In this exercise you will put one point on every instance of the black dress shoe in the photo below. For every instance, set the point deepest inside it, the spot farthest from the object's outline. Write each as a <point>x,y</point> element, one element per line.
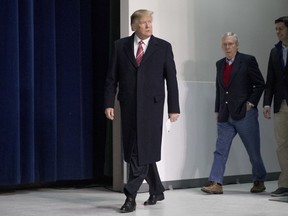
<point>154,198</point>
<point>129,205</point>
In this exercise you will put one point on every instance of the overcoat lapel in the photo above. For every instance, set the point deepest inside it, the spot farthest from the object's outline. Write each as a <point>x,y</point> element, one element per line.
<point>129,50</point>
<point>152,47</point>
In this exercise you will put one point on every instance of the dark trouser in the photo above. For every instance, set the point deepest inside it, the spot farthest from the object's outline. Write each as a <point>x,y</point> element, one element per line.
<point>139,173</point>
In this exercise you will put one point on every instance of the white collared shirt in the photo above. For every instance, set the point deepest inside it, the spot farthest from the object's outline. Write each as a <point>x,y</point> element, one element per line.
<point>230,61</point>
<point>136,44</point>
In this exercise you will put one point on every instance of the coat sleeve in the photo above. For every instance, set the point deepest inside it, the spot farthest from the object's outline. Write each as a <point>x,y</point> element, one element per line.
<point>171,81</point>
<point>111,81</point>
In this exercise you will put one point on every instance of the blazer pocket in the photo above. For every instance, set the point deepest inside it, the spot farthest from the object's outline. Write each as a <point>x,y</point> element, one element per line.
<point>159,98</point>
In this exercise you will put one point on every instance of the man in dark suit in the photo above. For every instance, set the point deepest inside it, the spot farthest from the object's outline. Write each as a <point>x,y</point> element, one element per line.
<point>140,66</point>
<point>277,87</point>
<point>239,86</point>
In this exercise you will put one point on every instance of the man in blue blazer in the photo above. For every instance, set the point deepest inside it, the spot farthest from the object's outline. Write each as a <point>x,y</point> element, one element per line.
<point>142,65</point>
<point>239,86</point>
<point>277,88</point>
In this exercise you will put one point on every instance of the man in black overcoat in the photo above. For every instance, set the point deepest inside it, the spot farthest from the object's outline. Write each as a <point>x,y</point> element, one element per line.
<point>141,66</point>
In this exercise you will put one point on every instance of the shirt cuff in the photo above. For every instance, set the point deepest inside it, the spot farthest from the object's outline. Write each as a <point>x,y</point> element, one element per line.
<point>250,104</point>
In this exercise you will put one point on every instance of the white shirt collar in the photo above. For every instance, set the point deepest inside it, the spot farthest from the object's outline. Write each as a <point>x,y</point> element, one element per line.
<point>230,61</point>
<point>137,40</point>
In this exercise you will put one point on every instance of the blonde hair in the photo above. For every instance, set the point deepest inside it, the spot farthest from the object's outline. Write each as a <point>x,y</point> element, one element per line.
<point>138,14</point>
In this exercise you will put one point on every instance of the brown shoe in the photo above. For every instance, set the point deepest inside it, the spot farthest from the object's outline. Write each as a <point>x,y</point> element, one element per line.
<point>258,187</point>
<point>213,188</point>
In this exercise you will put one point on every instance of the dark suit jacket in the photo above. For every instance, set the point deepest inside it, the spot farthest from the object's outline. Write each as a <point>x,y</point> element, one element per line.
<point>277,79</point>
<point>246,85</point>
<point>142,94</point>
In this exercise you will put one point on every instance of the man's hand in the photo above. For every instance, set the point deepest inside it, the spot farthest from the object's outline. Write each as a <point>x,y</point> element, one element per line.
<point>109,112</point>
<point>249,106</point>
<point>173,116</point>
<point>267,112</point>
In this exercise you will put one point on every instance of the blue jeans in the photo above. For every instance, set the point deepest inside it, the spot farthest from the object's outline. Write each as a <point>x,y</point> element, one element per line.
<point>248,130</point>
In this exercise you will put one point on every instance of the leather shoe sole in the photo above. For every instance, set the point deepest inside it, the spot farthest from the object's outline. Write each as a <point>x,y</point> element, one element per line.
<point>153,199</point>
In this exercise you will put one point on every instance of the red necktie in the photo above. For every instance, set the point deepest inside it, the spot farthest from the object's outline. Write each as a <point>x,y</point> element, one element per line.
<point>140,53</point>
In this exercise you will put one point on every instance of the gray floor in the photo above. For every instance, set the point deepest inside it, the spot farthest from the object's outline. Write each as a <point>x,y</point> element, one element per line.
<point>236,200</point>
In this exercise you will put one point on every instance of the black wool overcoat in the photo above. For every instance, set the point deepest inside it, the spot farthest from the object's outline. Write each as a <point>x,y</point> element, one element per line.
<point>141,94</point>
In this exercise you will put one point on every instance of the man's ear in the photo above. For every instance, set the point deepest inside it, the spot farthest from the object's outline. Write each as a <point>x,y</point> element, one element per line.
<point>133,27</point>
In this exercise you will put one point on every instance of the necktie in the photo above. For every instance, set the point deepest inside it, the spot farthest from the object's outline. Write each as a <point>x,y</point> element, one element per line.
<point>140,53</point>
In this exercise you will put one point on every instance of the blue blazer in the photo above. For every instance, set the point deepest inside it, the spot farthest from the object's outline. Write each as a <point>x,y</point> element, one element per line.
<point>246,85</point>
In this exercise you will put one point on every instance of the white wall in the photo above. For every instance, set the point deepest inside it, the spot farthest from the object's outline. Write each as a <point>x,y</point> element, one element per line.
<point>194,28</point>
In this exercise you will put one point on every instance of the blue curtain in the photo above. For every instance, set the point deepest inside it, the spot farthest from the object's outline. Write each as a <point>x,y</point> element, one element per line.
<point>48,91</point>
